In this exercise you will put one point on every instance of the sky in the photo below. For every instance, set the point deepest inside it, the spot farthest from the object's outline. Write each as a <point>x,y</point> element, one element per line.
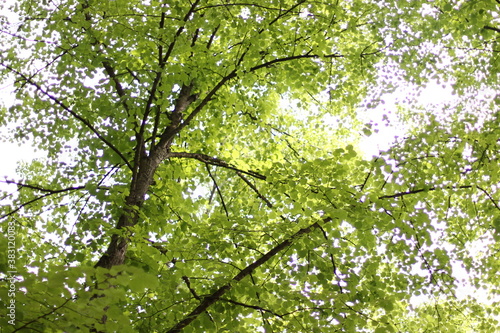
<point>13,153</point>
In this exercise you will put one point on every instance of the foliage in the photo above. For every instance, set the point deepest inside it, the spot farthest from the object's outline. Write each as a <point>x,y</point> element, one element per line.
<point>193,183</point>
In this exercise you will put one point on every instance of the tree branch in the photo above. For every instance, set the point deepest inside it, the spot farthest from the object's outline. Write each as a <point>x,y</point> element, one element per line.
<point>169,134</point>
<point>212,36</point>
<point>286,11</point>
<point>152,93</point>
<point>41,189</point>
<point>368,176</point>
<point>216,296</point>
<point>49,193</point>
<point>118,86</point>
<point>489,197</point>
<point>21,328</point>
<point>36,40</point>
<point>218,190</point>
<point>214,161</point>
<point>251,307</point>
<point>239,4</point>
<point>200,106</point>
<point>188,284</point>
<point>72,113</point>
<point>302,56</point>
<point>332,260</point>
<point>400,194</point>
<point>24,205</point>
<point>252,186</point>
<point>487,27</point>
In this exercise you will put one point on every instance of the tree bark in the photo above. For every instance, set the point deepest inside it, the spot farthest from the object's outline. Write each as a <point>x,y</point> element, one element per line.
<point>115,254</point>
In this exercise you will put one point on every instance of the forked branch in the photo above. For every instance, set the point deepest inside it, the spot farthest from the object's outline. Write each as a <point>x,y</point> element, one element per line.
<point>71,112</point>
<point>217,295</point>
<point>215,161</point>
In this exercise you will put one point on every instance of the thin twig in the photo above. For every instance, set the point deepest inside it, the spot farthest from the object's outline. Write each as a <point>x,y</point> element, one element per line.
<point>218,190</point>
<point>252,186</point>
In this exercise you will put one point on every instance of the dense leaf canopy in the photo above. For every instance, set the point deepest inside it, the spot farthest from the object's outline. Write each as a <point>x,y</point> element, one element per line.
<point>203,171</point>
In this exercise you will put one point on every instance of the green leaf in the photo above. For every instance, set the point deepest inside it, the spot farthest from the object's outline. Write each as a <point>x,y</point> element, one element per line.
<point>205,161</point>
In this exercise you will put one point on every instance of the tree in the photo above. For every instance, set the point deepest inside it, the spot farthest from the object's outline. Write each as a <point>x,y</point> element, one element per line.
<point>193,182</point>
<point>437,317</point>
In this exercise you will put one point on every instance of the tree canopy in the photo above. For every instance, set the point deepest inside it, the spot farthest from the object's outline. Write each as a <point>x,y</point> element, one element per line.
<point>203,172</point>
